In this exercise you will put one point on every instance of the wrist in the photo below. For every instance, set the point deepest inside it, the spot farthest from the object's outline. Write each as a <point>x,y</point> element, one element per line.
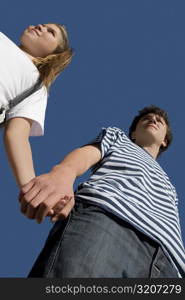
<point>65,170</point>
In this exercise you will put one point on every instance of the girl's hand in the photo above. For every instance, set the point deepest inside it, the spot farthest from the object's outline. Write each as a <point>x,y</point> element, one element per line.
<point>48,195</point>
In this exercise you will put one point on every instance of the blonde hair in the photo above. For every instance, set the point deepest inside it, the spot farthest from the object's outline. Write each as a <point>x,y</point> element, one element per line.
<point>52,65</point>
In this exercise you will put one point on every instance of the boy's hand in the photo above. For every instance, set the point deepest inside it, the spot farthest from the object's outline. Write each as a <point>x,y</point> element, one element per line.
<point>49,194</point>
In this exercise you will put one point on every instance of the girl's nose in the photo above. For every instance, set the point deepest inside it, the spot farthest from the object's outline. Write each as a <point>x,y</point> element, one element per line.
<point>39,27</point>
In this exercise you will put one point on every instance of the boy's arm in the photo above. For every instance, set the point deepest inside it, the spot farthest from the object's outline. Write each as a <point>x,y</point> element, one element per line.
<point>79,161</point>
<point>16,141</point>
<point>42,193</point>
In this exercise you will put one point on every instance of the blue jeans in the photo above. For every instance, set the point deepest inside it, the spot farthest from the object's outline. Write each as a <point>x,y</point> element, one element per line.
<point>93,243</point>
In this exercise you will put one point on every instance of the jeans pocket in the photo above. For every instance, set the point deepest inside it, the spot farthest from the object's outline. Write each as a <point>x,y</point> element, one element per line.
<point>56,236</point>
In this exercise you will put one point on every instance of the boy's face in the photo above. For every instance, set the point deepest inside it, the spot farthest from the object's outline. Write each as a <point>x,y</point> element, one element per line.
<point>151,128</point>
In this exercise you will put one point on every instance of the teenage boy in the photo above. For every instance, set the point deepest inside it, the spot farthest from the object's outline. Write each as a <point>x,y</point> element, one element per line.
<point>125,221</point>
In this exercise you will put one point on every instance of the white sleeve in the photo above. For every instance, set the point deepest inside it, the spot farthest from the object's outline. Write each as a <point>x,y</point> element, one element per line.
<point>32,107</point>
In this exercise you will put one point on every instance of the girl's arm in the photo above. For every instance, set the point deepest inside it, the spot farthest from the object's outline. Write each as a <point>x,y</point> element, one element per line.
<point>16,140</point>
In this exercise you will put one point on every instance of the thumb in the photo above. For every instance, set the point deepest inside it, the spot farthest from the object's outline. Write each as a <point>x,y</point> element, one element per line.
<point>64,213</point>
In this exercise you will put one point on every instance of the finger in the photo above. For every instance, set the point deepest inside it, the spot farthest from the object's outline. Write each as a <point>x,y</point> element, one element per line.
<point>33,205</point>
<point>27,198</point>
<point>60,205</point>
<point>50,213</point>
<point>64,213</point>
<point>32,193</point>
<point>23,207</point>
<point>25,188</point>
<point>45,206</point>
<point>20,196</point>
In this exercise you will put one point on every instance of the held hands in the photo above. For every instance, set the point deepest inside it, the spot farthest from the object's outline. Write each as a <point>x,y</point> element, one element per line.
<point>49,194</point>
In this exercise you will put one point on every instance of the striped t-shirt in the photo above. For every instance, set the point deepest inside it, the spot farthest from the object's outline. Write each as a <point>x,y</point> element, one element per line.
<point>130,183</point>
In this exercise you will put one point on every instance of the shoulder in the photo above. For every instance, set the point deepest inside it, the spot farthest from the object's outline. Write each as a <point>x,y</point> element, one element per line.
<point>112,134</point>
<point>42,91</point>
<point>115,131</point>
<point>7,42</point>
<point>3,37</point>
<point>13,52</point>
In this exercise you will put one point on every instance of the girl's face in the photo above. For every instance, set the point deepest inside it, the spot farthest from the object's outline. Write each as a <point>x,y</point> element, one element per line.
<point>41,40</point>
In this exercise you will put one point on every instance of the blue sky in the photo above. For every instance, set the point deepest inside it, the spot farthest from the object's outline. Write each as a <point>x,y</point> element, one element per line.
<point>128,54</point>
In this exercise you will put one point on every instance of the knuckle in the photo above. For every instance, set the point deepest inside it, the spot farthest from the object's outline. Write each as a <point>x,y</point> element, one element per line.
<point>45,206</point>
<point>72,200</point>
<point>47,186</point>
<point>27,198</point>
<point>33,205</point>
<point>38,182</point>
<point>23,189</point>
<point>42,180</point>
<point>64,214</point>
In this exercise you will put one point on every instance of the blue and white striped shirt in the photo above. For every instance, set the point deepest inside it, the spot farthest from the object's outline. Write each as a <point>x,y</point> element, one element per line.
<point>130,183</point>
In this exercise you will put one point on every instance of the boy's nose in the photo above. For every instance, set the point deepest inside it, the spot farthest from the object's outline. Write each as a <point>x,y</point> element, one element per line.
<point>153,119</point>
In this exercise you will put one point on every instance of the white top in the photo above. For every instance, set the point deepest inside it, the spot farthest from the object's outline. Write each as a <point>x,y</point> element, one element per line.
<point>17,74</point>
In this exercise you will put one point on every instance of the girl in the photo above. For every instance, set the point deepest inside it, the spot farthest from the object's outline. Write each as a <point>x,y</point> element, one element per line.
<point>43,53</point>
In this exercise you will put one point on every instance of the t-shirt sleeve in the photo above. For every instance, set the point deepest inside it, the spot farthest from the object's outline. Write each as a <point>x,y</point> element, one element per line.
<point>106,139</point>
<point>34,108</point>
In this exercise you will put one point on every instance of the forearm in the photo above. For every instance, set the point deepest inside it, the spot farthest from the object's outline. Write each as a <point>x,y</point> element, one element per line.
<point>20,158</point>
<point>78,161</point>
<point>16,141</point>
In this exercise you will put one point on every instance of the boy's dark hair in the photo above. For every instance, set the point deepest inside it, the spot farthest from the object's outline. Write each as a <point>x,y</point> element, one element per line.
<point>157,111</point>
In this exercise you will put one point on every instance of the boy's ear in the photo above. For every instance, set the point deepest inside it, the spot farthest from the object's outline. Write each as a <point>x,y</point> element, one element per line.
<point>133,135</point>
<point>164,143</point>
